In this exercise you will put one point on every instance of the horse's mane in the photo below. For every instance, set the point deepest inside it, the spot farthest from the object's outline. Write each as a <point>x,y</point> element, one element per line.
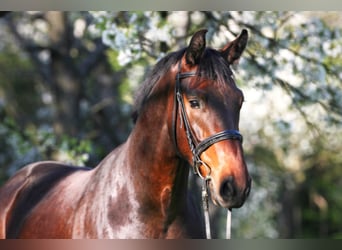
<point>211,66</point>
<point>152,78</point>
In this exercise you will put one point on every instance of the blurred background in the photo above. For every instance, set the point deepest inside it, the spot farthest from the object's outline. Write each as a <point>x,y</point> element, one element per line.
<point>67,82</point>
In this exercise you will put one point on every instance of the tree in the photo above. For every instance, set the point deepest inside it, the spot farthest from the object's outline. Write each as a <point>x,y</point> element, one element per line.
<point>81,70</point>
<point>59,92</point>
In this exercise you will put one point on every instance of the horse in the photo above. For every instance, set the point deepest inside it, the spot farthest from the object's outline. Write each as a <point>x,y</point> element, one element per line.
<point>186,117</point>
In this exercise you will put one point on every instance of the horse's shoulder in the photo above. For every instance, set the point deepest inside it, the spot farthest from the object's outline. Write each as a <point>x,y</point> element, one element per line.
<point>26,188</point>
<point>40,177</point>
<point>44,168</point>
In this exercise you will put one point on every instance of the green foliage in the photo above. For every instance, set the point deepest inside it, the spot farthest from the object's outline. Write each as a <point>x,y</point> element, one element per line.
<point>112,56</point>
<point>319,195</point>
<point>17,87</point>
<point>291,119</point>
<point>32,144</point>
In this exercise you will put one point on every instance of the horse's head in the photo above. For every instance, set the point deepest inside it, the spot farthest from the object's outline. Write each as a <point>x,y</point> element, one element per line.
<point>205,120</point>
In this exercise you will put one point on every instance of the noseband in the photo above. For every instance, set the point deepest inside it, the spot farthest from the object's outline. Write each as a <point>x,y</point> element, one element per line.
<point>196,148</point>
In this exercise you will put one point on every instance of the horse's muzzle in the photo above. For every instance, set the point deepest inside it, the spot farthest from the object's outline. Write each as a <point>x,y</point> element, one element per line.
<point>229,194</point>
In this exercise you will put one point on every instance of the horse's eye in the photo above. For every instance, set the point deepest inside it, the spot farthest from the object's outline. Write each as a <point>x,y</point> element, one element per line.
<point>194,104</point>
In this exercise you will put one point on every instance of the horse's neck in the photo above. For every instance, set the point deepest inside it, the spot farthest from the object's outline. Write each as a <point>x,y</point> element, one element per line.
<point>160,177</point>
<point>145,180</point>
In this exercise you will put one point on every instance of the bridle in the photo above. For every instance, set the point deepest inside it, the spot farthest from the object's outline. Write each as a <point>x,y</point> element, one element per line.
<point>197,148</point>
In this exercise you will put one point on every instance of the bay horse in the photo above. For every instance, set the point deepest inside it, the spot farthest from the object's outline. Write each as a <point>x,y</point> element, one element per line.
<point>186,114</point>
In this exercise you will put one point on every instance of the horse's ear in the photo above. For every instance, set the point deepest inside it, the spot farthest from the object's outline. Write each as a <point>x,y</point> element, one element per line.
<point>196,47</point>
<point>233,50</point>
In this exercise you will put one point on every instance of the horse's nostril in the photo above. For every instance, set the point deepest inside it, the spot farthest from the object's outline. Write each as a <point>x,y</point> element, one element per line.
<point>228,190</point>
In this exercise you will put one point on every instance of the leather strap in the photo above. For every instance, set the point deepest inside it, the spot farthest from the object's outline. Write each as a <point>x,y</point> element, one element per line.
<point>197,148</point>
<point>224,135</point>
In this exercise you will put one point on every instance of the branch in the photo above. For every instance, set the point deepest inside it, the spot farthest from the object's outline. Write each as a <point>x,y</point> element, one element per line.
<point>275,42</point>
<point>289,89</point>
<point>92,59</point>
<point>30,48</point>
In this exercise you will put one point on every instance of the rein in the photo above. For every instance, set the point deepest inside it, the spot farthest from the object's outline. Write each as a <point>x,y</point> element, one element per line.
<point>198,148</point>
